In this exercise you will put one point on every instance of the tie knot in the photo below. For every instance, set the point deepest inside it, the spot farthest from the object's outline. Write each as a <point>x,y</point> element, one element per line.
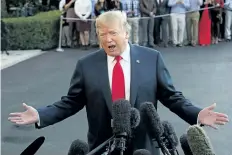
<point>118,58</point>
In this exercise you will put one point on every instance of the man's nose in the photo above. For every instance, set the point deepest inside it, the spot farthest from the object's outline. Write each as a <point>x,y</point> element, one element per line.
<point>108,38</point>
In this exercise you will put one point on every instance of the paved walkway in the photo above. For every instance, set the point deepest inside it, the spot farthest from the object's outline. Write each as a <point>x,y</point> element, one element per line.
<point>17,56</point>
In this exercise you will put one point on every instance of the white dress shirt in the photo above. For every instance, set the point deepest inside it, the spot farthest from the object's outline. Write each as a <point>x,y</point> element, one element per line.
<point>126,67</point>
<point>158,1</point>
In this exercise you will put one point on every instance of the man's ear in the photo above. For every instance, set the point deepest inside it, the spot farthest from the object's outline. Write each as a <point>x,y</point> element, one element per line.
<point>127,35</point>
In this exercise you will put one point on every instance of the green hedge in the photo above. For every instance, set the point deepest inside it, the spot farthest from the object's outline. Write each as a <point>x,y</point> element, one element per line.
<point>36,32</point>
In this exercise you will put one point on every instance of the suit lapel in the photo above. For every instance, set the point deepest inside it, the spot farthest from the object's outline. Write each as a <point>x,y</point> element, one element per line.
<point>103,77</point>
<point>135,69</point>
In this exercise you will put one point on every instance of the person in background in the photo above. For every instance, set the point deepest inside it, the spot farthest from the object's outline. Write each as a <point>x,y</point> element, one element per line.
<point>178,9</point>
<point>147,10</point>
<point>83,9</point>
<point>93,37</point>
<point>4,40</point>
<point>65,41</point>
<point>68,7</point>
<point>222,26</point>
<point>118,5</point>
<point>192,22</point>
<point>170,31</point>
<point>131,7</point>
<point>228,20</point>
<point>204,36</point>
<point>99,8</point>
<point>161,22</point>
<point>114,5</point>
<point>216,16</point>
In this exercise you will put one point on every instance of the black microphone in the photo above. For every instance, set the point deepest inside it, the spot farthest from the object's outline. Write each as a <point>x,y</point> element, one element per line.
<point>135,118</point>
<point>121,124</point>
<point>151,119</point>
<point>198,141</point>
<point>34,146</point>
<point>142,152</point>
<point>78,147</point>
<point>170,137</point>
<point>184,145</point>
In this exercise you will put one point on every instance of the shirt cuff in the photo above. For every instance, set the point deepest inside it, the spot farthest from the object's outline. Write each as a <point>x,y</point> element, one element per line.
<point>38,123</point>
<point>198,121</point>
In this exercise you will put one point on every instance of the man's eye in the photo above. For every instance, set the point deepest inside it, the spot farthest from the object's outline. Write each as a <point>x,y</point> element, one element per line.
<point>102,34</point>
<point>113,33</point>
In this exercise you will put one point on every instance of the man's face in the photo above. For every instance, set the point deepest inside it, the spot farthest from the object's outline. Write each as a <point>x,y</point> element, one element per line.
<point>113,38</point>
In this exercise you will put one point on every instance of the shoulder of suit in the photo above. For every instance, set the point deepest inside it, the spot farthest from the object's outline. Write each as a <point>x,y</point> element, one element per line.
<point>93,55</point>
<point>146,50</point>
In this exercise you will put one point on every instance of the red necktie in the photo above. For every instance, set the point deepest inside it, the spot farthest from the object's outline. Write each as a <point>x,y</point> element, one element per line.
<point>118,83</point>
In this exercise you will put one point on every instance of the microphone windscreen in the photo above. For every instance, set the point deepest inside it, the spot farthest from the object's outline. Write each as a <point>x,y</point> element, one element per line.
<point>78,147</point>
<point>184,145</point>
<point>151,119</point>
<point>142,152</point>
<point>135,118</point>
<point>121,117</point>
<point>170,133</point>
<point>198,141</point>
<point>34,146</point>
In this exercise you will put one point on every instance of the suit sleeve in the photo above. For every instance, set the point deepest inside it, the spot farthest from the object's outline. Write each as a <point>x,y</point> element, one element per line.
<point>70,104</point>
<point>142,8</point>
<point>172,99</point>
<point>154,8</point>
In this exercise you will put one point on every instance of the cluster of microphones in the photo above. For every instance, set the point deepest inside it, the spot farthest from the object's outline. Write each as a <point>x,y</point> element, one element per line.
<point>125,120</point>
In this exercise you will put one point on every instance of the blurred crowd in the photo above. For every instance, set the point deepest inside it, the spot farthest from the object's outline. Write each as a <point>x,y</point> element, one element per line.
<point>154,22</point>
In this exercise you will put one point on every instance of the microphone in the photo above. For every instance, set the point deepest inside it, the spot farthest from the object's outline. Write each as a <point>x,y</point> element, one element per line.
<point>34,146</point>
<point>170,137</point>
<point>135,118</point>
<point>198,141</point>
<point>184,145</point>
<point>151,119</point>
<point>142,152</point>
<point>121,124</point>
<point>78,147</point>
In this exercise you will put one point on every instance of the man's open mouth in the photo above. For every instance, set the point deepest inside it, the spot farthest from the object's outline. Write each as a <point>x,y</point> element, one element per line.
<point>111,47</point>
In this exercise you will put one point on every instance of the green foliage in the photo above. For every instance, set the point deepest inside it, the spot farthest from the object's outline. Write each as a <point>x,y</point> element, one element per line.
<point>36,32</point>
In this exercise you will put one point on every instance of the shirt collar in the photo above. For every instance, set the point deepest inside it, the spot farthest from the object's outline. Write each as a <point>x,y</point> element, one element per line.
<point>125,55</point>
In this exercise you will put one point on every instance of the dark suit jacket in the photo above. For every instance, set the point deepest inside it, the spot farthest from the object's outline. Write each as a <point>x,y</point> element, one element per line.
<point>150,81</point>
<point>147,6</point>
<point>162,8</point>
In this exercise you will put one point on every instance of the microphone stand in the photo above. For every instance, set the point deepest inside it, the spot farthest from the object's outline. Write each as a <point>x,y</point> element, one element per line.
<point>168,145</point>
<point>163,148</point>
<point>119,143</point>
<point>122,142</point>
<point>100,146</point>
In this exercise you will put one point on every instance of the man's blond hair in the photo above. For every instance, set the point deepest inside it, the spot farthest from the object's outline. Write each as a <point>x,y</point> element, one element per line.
<point>112,16</point>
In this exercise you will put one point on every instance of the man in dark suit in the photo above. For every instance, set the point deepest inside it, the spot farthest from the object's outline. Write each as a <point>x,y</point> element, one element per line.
<point>161,23</point>
<point>119,70</point>
<point>148,11</point>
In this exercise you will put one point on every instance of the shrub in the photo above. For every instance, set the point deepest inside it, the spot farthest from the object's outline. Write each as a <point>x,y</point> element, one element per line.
<point>36,32</point>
